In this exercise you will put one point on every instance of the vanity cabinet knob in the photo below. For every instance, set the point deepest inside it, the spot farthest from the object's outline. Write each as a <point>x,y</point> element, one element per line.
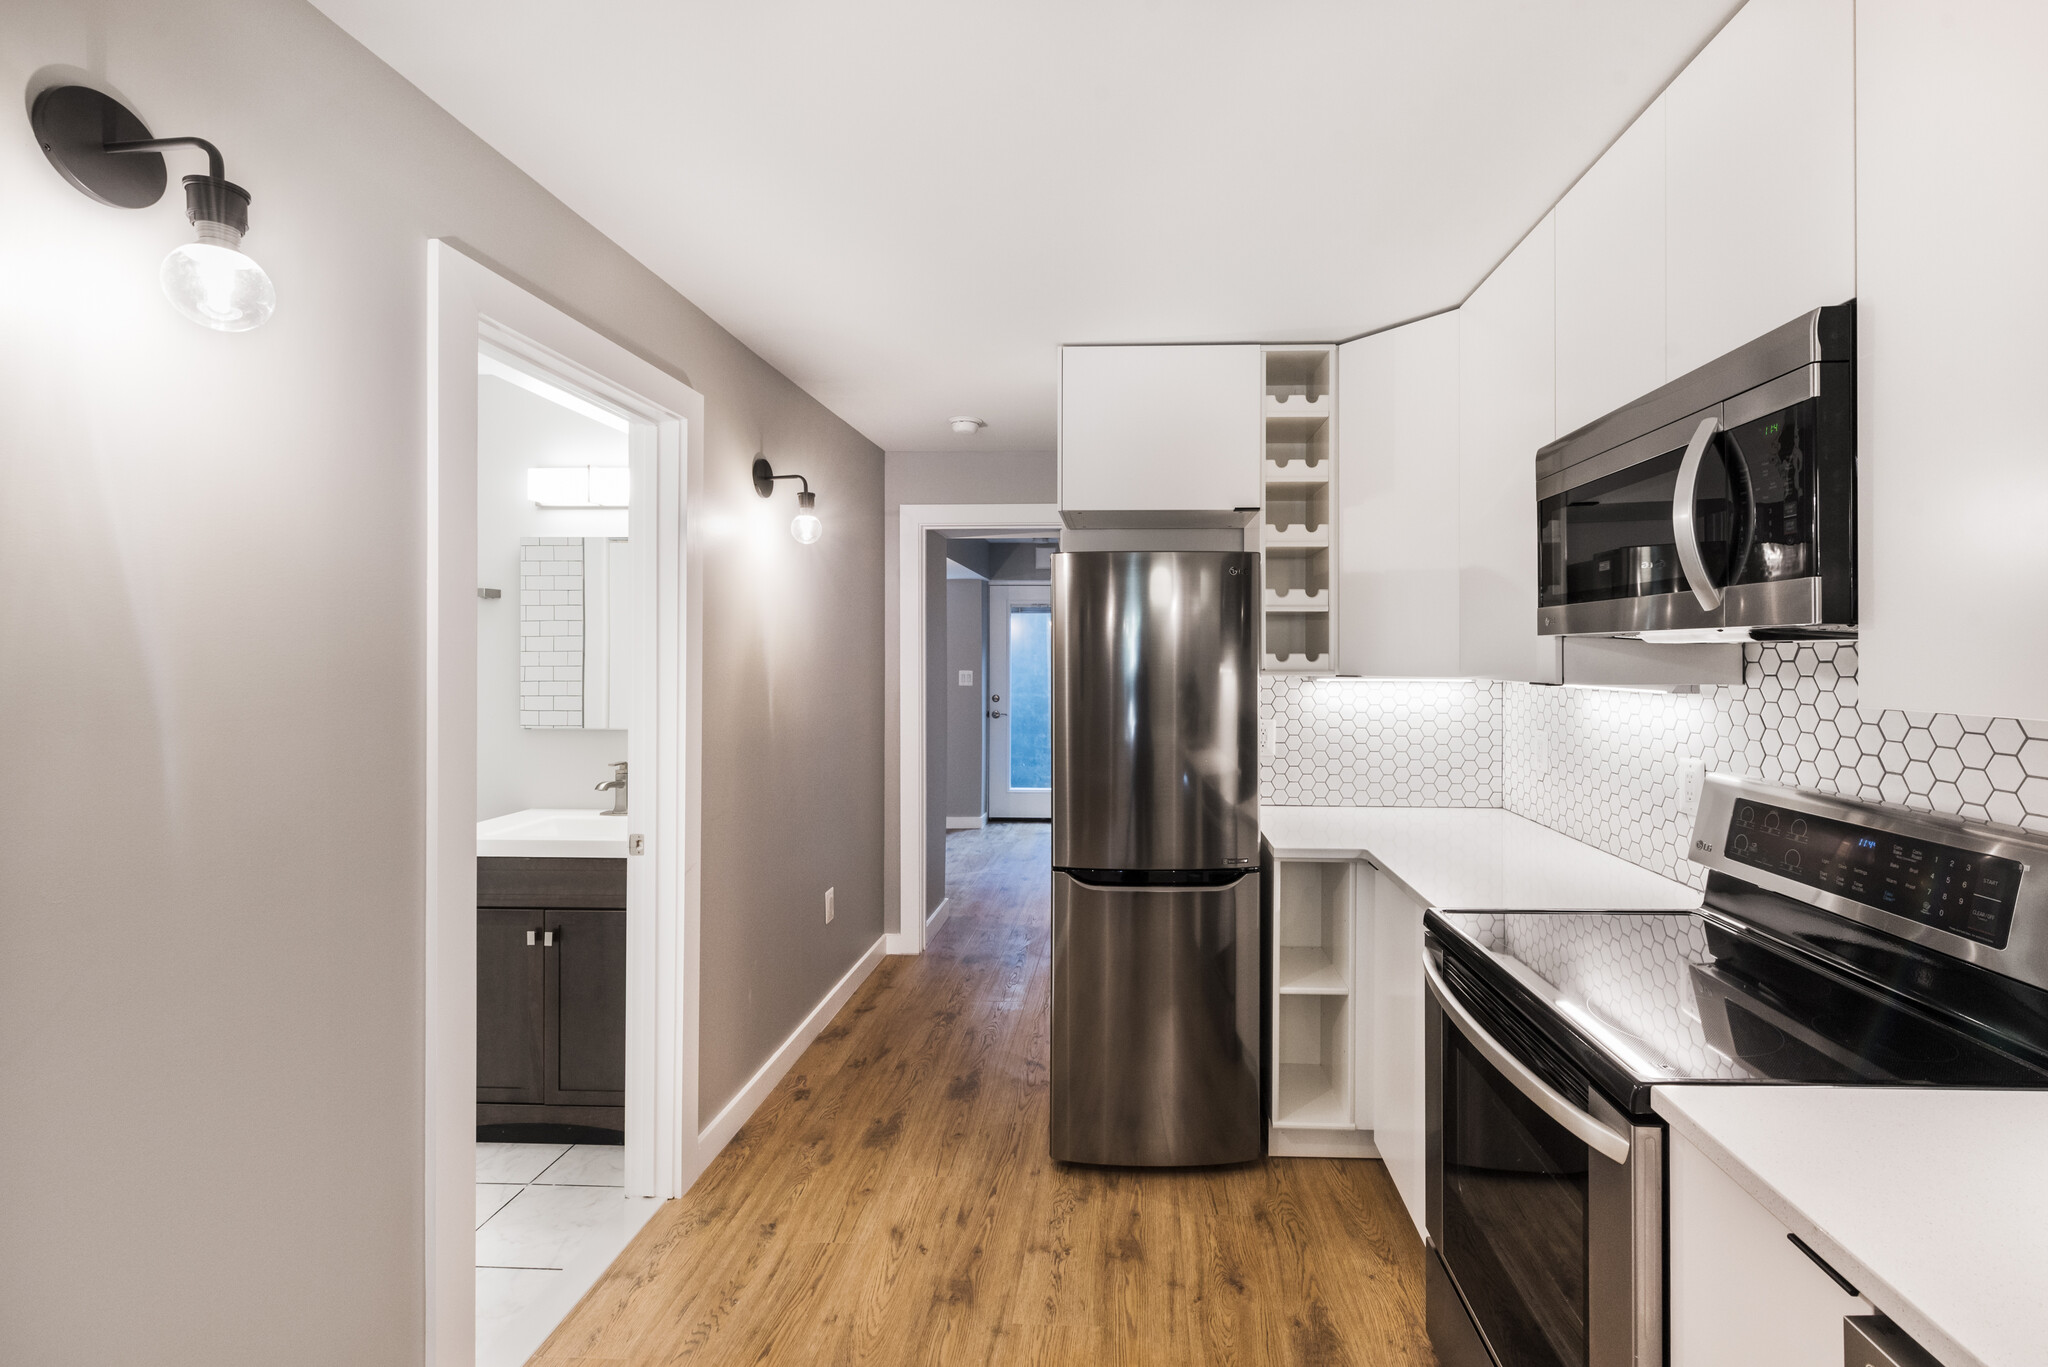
<point>529,939</point>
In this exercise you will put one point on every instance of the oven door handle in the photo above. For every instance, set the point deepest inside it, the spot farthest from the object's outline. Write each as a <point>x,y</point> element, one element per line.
<point>1683,530</point>
<point>1608,1141</point>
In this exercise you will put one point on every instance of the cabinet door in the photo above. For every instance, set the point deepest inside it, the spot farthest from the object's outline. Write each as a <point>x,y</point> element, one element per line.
<point>1760,185</point>
<point>1397,491</point>
<point>508,1005</point>
<point>1610,278</point>
<point>586,998</point>
<point>1153,429</point>
<point>1397,1040</point>
<point>1507,407</point>
<point>1741,1294</point>
<point>1952,283</point>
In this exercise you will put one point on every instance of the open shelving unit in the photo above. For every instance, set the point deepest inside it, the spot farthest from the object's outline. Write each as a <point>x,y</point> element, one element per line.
<point>1300,406</point>
<point>1314,969</point>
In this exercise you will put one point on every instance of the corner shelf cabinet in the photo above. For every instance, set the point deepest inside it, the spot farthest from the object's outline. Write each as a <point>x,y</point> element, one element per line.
<point>1296,477</point>
<point>1315,995</point>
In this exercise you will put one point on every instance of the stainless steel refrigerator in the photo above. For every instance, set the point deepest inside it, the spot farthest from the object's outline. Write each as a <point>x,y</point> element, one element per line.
<point>1157,1026</point>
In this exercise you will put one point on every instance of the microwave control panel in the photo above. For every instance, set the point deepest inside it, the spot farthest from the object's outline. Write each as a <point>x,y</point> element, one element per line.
<point>1964,892</point>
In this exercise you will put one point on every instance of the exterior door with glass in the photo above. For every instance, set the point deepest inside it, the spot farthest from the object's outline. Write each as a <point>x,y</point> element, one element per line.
<point>1020,701</point>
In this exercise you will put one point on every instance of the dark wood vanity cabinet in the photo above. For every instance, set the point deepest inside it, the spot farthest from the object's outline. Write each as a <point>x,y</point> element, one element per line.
<point>551,993</point>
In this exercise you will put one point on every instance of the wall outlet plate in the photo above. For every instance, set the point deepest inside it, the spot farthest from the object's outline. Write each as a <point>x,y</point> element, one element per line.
<point>828,906</point>
<point>1693,778</point>
<point>967,678</point>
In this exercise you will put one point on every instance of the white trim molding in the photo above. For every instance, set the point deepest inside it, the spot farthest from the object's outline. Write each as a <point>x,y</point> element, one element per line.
<point>741,1108</point>
<point>966,823</point>
<point>914,520</point>
<point>470,305</point>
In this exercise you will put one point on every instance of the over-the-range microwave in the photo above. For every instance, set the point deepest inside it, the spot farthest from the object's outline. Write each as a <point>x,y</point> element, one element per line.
<point>1721,507</point>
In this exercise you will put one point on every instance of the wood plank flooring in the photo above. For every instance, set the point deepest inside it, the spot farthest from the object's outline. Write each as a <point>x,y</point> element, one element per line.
<point>893,1201</point>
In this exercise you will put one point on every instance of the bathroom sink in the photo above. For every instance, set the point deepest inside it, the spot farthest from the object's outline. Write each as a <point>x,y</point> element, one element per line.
<point>552,833</point>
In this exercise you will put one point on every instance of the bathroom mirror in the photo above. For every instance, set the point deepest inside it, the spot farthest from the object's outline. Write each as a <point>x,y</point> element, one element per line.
<point>575,636</point>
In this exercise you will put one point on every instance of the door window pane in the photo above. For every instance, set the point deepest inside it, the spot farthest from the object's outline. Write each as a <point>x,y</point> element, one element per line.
<point>1030,695</point>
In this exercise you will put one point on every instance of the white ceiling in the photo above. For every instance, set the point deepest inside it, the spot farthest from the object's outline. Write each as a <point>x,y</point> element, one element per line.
<point>906,205</point>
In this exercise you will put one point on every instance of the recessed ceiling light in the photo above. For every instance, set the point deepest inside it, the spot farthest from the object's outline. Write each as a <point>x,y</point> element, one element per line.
<point>968,426</point>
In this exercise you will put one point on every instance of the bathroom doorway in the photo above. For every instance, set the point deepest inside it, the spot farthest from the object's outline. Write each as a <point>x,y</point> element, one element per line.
<point>562,809</point>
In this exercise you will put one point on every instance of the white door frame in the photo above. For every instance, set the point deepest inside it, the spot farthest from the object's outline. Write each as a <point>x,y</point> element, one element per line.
<point>915,519</point>
<point>469,304</point>
<point>1000,596</point>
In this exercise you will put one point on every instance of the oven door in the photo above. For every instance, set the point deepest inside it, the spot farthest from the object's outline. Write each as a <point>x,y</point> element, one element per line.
<point>1545,1203</point>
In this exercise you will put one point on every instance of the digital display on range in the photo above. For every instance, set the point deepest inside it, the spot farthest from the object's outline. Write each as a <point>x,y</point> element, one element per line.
<point>1957,890</point>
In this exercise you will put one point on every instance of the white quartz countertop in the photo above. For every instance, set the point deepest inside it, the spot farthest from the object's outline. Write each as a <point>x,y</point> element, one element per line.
<point>1474,858</point>
<point>1934,1203</point>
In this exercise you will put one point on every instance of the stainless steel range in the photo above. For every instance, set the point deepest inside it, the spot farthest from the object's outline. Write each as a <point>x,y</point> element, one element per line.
<point>1839,942</point>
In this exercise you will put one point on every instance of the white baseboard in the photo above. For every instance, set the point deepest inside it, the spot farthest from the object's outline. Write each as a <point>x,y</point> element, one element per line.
<point>1320,1144</point>
<point>741,1108</point>
<point>966,823</point>
<point>898,942</point>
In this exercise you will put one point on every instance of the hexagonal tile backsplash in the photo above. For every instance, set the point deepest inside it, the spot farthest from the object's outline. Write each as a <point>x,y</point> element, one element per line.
<point>1604,765</point>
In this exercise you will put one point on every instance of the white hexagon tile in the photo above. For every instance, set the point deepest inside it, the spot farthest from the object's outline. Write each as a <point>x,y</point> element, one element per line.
<point>1604,765</point>
<point>1380,743</point>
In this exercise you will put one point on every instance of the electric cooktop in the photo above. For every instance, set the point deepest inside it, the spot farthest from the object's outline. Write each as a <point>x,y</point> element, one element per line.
<point>1838,942</point>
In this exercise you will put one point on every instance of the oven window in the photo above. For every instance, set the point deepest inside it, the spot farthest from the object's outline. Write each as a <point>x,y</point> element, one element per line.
<point>1612,537</point>
<point>1514,1234</point>
<point>1774,456</point>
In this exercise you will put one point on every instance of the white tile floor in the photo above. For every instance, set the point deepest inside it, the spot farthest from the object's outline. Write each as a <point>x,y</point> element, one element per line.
<point>540,1209</point>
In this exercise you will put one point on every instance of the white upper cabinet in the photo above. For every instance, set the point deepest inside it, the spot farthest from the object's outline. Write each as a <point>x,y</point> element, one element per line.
<point>1610,278</point>
<point>1507,406</point>
<point>1760,178</point>
<point>1148,432</point>
<point>1952,457</point>
<point>1397,492</point>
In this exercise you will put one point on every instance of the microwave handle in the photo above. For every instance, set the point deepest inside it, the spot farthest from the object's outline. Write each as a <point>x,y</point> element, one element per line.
<point>1609,1142</point>
<point>1682,530</point>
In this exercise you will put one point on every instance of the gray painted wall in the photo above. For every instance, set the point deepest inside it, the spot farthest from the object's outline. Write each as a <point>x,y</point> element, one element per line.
<point>935,477</point>
<point>1015,564</point>
<point>966,738</point>
<point>211,697</point>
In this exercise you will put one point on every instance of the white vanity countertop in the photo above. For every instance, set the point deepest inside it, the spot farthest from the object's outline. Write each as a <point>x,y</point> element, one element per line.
<point>552,833</point>
<point>1474,858</point>
<point>1934,1203</point>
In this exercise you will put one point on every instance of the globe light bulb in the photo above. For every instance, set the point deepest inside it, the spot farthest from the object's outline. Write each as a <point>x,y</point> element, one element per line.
<point>805,526</point>
<point>213,283</point>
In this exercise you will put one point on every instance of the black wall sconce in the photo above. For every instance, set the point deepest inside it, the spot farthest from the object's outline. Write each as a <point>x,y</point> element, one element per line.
<point>805,526</point>
<point>99,145</point>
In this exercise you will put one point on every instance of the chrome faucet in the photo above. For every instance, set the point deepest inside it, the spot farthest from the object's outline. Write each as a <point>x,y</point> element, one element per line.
<point>618,789</point>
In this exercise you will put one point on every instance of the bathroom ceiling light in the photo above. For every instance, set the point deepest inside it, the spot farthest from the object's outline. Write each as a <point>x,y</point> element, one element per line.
<point>968,426</point>
<point>580,486</point>
<point>805,526</point>
<point>98,145</point>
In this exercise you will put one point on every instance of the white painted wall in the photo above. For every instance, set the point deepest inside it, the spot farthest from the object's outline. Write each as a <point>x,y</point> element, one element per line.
<point>519,767</point>
<point>211,682</point>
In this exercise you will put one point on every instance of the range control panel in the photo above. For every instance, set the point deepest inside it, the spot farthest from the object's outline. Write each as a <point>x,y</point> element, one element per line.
<point>1962,891</point>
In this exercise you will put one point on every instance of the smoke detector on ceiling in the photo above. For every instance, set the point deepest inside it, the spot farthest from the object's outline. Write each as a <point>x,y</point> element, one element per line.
<point>968,426</point>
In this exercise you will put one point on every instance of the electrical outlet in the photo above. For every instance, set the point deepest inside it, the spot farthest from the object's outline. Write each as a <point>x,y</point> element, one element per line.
<point>967,678</point>
<point>1693,773</point>
<point>828,906</point>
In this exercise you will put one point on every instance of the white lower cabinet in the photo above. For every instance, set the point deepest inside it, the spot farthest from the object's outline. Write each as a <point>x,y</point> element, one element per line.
<point>1347,1019</point>
<point>1742,1294</point>
<point>1397,1109</point>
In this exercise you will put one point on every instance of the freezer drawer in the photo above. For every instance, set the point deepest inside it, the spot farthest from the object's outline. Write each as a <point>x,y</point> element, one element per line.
<point>1155,703</point>
<point>1156,1024</point>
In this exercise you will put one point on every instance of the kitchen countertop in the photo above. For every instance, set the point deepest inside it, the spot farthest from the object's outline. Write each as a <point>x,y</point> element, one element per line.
<point>1934,1203</point>
<point>1474,858</point>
